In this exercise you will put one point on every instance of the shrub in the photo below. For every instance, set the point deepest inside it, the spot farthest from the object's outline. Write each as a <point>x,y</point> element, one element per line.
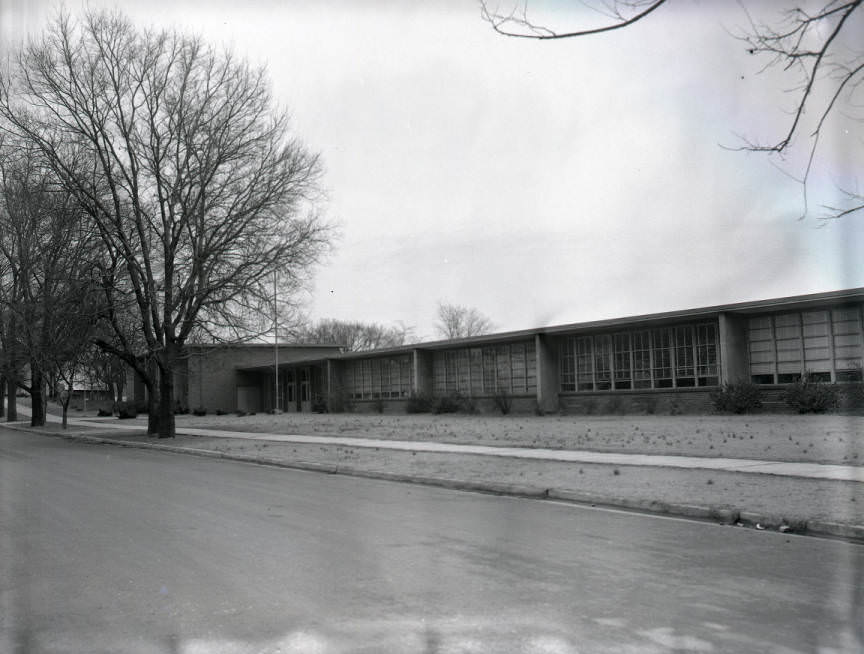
<point>469,405</point>
<point>199,411</point>
<point>447,404</point>
<point>239,413</point>
<point>220,412</point>
<point>853,395</point>
<point>741,397</point>
<point>126,410</point>
<point>179,409</point>
<point>503,400</point>
<point>649,405</point>
<point>808,396</point>
<point>103,413</point>
<point>418,403</point>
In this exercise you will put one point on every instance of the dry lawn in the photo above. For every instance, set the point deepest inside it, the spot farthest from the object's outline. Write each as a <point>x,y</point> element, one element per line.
<point>819,439</point>
<point>824,439</point>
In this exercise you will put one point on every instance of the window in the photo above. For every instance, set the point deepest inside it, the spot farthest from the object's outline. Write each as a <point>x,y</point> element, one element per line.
<point>662,354</point>
<point>482,371</point>
<point>490,376</point>
<point>567,359</point>
<point>381,378</point>
<point>684,357</point>
<point>584,366</point>
<point>824,344</point>
<point>602,362</point>
<point>642,359</point>
<point>679,356</point>
<point>623,362</point>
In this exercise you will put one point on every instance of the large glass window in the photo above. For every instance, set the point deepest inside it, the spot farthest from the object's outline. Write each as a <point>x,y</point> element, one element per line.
<point>567,360</point>
<point>482,371</point>
<point>584,364</point>
<point>382,378</point>
<point>623,361</point>
<point>826,345</point>
<point>662,354</point>
<point>678,356</point>
<point>642,359</point>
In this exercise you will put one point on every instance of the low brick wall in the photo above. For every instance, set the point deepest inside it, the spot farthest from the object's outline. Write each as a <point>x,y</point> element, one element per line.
<point>519,405</point>
<point>635,402</point>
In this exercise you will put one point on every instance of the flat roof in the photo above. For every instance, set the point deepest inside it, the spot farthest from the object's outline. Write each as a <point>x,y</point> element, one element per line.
<point>794,302</point>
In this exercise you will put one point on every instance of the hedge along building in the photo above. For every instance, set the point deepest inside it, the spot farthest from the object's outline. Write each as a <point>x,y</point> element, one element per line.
<point>665,362</point>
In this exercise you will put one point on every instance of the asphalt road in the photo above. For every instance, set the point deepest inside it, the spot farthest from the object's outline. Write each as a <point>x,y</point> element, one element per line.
<point>105,549</point>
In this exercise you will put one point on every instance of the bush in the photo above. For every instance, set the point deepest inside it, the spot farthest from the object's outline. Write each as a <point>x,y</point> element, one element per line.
<point>741,397</point>
<point>220,412</point>
<point>853,395</point>
<point>469,405</point>
<point>239,413</point>
<point>806,396</point>
<point>126,410</point>
<point>503,400</point>
<point>199,411</point>
<point>179,409</point>
<point>448,404</point>
<point>418,403</point>
<point>103,413</point>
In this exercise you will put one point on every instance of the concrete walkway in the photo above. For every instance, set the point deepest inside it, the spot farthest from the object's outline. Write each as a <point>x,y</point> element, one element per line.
<point>788,469</point>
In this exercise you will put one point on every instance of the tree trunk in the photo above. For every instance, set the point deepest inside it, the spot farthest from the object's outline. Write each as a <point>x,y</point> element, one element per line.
<point>65,405</point>
<point>152,385</point>
<point>2,396</point>
<point>11,389</point>
<point>153,421</point>
<point>37,399</point>
<point>166,400</point>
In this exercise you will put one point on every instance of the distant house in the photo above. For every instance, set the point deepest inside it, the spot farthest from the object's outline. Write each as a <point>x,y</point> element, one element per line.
<point>647,362</point>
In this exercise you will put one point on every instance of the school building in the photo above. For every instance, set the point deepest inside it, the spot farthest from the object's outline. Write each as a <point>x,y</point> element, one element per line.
<point>656,362</point>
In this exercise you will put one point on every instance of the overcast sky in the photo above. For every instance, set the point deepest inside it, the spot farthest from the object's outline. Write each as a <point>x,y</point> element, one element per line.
<point>540,182</point>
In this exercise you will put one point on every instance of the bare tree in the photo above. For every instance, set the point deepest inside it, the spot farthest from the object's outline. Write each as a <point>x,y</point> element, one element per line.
<point>47,290</point>
<point>456,321</point>
<point>355,336</point>
<point>819,47</point>
<point>187,171</point>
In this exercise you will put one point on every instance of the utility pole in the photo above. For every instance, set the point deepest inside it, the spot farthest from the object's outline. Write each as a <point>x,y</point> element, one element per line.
<point>275,347</point>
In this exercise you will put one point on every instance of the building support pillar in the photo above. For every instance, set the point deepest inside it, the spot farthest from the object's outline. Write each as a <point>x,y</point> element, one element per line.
<point>732,335</point>
<point>547,374</point>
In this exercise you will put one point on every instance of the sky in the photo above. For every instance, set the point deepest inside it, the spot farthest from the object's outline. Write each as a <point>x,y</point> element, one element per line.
<point>539,182</point>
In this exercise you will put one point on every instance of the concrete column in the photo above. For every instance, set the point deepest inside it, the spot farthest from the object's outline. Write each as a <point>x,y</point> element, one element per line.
<point>334,382</point>
<point>732,335</point>
<point>422,373</point>
<point>547,374</point>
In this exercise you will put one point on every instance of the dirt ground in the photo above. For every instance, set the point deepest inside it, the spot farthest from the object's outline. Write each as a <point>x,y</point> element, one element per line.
<point>812,438</point>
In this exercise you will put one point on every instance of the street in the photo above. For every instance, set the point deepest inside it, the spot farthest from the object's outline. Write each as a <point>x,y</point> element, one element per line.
<point>107,549</point>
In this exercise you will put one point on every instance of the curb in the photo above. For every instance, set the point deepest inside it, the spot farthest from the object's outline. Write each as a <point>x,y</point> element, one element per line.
<point>721,515</point>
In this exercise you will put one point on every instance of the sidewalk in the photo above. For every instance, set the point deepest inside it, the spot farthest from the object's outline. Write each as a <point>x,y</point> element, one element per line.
<point>751,466</point>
